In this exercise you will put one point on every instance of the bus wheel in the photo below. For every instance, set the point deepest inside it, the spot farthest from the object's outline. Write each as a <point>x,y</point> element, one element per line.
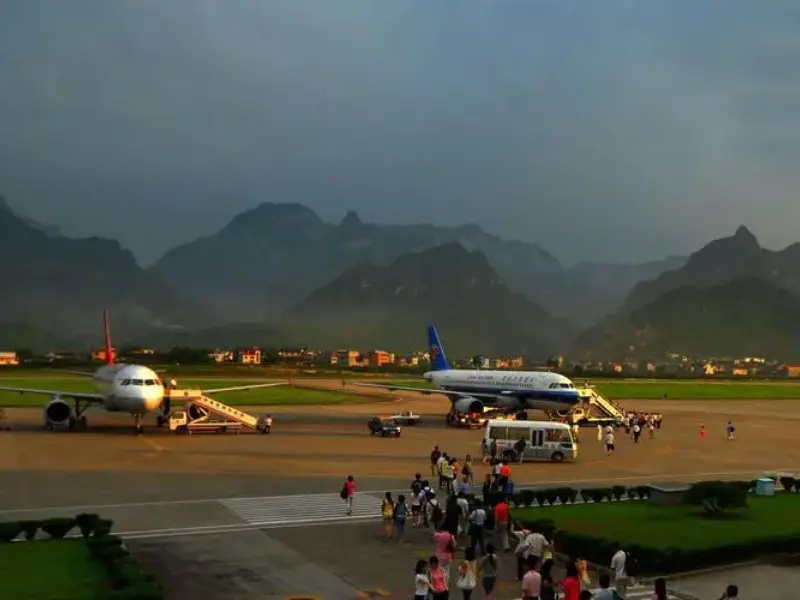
<point>557,457</point>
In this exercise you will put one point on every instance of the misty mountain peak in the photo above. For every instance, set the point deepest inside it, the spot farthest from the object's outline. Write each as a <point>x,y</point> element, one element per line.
<point>268,215</point>
<point>744,235</point>
<point>351,220</point>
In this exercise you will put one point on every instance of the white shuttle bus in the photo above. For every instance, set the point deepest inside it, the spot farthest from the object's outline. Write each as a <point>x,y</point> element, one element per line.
<point>545,440</point>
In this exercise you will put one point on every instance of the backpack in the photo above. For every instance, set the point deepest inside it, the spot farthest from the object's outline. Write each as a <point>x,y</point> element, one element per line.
<point>399,512</point>
<point>416,486</point>
<point>631,565</point>
<point>343,493</point>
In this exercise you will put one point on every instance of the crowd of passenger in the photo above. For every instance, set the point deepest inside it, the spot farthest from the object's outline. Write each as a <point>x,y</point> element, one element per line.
<point>491,542</point>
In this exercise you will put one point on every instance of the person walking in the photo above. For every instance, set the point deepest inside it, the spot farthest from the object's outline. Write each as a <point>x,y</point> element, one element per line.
<point>348,493</point>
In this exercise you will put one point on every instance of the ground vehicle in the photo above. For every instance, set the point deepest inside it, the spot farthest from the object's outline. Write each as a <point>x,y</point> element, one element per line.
<point>406,418</point>
<point>385,426</point>
<point>584,418</point>
<point>545,440</point>
<point>180,422</point>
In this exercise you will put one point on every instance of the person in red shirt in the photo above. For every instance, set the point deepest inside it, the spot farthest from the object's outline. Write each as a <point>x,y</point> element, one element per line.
<point>504,476</point>
<point>501,519</point>
<point>572,583</point>
<point>349,491</point>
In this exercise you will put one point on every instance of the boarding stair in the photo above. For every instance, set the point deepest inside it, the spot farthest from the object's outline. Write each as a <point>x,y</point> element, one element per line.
<point>201,408</point>
<point>606,407</point>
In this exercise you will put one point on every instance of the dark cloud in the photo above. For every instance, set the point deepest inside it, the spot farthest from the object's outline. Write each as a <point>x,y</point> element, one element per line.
<point>615,129</point>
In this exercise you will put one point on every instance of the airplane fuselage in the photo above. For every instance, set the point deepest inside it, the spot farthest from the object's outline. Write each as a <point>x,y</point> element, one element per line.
<point>535,390</point>
<point>129,388</point>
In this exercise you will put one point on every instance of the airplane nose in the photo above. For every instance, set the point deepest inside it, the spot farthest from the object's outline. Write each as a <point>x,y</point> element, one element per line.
<point>152,403</point>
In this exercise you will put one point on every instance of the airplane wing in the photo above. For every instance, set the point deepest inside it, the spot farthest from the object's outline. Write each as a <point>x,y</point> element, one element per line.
<point>84,373</point>
<point>243,388</point>
<point>88,396</point>
<point>421,390</point>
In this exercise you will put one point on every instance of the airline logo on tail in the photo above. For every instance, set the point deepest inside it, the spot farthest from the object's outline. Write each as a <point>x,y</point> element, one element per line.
<point>109,351</point>
<point>438,359</point>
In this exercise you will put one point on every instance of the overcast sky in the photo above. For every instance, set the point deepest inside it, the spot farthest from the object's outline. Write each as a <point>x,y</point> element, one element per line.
<point>611,129</point>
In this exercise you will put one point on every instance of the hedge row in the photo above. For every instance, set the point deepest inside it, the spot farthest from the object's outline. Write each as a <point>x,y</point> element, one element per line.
<point>652,561</point>
<point>657,561</point>
<point>126,579</point>
<point>568,495</point>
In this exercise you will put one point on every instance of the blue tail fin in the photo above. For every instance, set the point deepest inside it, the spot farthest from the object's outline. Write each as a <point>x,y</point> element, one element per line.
<point>438,358</point>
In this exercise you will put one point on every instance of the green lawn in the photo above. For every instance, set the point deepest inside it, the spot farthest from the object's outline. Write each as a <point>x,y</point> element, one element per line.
<point>654,389</point>
<point>674,526</point>
<point>49,568</point>
<point>280,395</point>
<point>647,389</point>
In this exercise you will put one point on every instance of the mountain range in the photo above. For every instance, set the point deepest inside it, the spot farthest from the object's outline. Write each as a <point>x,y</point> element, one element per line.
<point>279,274</point>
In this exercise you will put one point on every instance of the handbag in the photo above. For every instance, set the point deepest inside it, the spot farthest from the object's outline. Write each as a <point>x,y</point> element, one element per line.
<point>467,581</point>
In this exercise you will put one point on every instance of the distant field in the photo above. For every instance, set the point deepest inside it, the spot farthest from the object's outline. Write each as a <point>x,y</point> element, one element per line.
<point>281,395</point>
<point>655,389</point>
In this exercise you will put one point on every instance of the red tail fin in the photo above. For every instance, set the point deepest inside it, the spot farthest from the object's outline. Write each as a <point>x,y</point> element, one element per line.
<point>107,335</point>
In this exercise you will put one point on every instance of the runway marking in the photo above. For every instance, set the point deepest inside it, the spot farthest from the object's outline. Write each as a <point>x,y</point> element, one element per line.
<point>154,445</point>
<point>538,484</point>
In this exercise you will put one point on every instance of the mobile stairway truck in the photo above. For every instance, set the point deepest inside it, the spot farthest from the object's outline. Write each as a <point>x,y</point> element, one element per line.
<point>595,410</point>
<point>204,414</point>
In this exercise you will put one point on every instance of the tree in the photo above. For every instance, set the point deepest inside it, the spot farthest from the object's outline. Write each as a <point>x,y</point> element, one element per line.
<point>24,354</point>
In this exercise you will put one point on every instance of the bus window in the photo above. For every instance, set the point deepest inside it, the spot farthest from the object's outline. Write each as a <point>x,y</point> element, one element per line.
<point>558,435</point>
<point>499,433</point>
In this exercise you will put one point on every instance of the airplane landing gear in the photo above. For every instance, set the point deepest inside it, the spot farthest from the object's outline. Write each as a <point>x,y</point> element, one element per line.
<point>137,424</point>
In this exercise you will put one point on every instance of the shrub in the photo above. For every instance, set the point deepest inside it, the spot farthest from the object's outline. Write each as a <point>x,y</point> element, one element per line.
<point>716,496</point>
<point>643,492</point>
<point>526,498</point>
<point>102,527</point>
<point>567,495</point>
<point>617,492</point>
<point>787,482</point>
<point>58,528</point>
<point>9,530</point>
<point>633,493</point>
<point>753,485</point>
<point>29,528</point>
<point>551,495</point>
<point>597,495</point>
<point>541,497</point>
<point>85,522</point>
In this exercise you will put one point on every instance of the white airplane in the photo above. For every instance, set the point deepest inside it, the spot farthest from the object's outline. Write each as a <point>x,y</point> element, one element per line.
<point>133,389</point>
<point>470,390</point>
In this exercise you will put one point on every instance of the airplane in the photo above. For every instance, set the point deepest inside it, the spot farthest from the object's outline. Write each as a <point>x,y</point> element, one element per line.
<point>126,388</point>
<point>470,390</point>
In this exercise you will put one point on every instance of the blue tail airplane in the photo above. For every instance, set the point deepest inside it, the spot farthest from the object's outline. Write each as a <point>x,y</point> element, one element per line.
<point>470,390</point>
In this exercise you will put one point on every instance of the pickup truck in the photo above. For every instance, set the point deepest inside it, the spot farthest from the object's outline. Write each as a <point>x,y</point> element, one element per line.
<point>406,418</point>
<point>384,426</point>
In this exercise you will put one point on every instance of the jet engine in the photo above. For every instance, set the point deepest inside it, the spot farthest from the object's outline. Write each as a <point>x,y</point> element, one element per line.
<point>57,411</point>
<point>468,404</point>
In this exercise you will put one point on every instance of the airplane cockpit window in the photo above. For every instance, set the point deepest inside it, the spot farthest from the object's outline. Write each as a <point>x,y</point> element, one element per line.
<point>126,382</point>
<point>136,382</point>
<point>149,382</point>
<point>565,386</point>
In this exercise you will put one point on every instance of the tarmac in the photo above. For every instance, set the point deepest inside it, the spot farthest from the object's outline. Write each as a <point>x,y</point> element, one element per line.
<point>258,516</point>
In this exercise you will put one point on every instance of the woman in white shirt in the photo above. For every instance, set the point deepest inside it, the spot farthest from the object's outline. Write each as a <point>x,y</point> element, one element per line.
<point>422,583</point>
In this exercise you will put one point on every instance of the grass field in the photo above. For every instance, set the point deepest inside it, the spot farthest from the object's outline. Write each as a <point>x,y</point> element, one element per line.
<point>281,395</point>
<point>673,526</point>
<point>49,569</point>
<point>655,389</point>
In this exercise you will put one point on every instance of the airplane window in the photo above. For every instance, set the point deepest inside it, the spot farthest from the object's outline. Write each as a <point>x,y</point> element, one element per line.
<point>136,382</point>
<point>126,382</point>
<point>564,386</point>
<point>149,382</point>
